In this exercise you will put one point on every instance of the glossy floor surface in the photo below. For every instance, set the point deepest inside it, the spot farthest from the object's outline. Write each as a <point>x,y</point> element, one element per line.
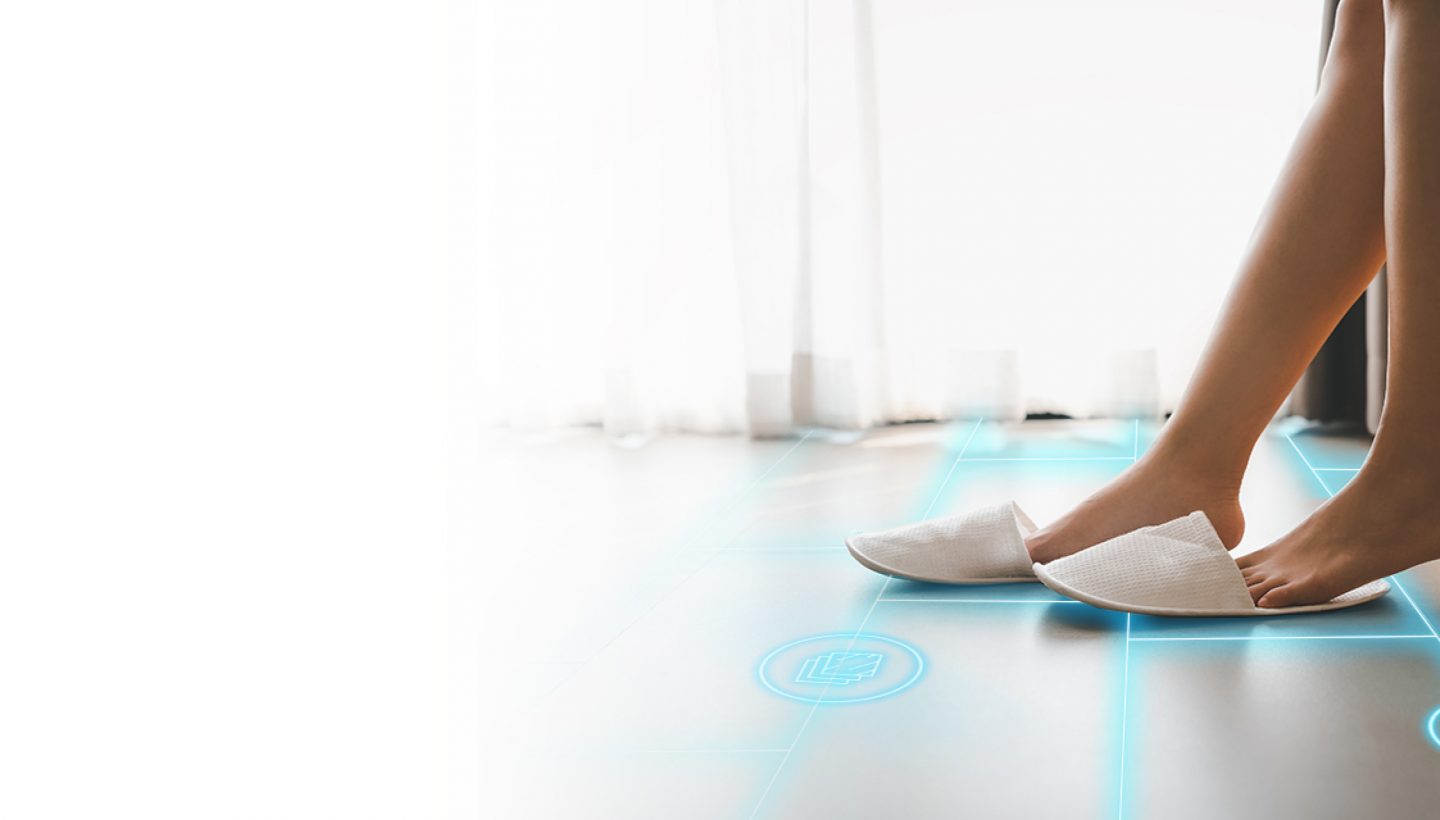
<point>678,631</point>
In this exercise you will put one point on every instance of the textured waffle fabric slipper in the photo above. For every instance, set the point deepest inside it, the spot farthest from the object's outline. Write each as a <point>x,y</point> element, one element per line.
<point>984,546</point>
<point>1179,568</point>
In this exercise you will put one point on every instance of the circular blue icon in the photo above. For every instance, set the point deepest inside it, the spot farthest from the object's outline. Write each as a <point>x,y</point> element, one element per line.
<point>1432,727</point>
<point>842,667</point>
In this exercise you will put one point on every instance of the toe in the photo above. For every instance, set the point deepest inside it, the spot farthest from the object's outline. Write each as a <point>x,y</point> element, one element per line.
<point>1280,596</point>
<point>1039,546</point>
<point>1246,561</point>
<point>1263,587</point>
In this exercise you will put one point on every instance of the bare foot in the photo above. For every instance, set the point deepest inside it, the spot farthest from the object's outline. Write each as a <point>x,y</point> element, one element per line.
<point>1154,491</point>
<point>1381,523</point>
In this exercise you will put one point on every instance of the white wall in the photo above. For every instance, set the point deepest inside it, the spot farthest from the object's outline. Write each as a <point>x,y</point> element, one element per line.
<point>223,321</point>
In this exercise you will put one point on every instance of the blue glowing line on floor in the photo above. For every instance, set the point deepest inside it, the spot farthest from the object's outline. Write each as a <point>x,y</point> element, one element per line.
<point>945,480</point>
<point>1430,728</point>
<point>983,459</point>
<point>934,499</point>
<point>1248,638</point>
<point>973,601</point>
<point>1124,720</point>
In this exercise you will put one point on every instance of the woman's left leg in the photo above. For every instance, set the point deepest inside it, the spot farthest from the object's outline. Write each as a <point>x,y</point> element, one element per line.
<point>1388,517</point>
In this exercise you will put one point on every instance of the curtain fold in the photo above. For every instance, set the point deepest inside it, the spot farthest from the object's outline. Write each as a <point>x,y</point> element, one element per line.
<point>758,215</point>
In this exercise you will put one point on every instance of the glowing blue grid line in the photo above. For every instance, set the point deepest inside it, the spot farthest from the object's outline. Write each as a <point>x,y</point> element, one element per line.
<point>856,636</point>
<point>979,459</point>
<point>701,751</point>
<point>945,482</point>
<point>868,613</point>
<point>783,548</point>
<point>1125,680</point>
<point>1281,638</point>
<point>821,698</point>
<point>1124,715</point>
<point>725,511</point>
<point>692,573</point>
<point>768,470</point>
<point>1423,619</point>
<point>809,716</point>
<point>1290,438</point>
<point>1431,722</point>
<point>976,601</point>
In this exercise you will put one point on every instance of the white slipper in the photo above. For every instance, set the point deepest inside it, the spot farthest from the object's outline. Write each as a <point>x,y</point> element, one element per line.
<point>1179,568</point>
<point>984,546</point>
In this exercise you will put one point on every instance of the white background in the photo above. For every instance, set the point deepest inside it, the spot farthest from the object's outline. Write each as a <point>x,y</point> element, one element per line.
<point>229,286</point>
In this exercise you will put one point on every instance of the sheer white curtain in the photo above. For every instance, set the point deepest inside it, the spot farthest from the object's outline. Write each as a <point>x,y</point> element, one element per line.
<point>727,215</point>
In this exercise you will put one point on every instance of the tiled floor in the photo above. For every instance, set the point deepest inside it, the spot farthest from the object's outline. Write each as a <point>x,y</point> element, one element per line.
<point>650,583</point>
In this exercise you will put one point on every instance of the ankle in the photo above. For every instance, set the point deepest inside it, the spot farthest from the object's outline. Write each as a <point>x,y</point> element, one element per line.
<point>1406,483</point>
<point>1415,464</point>
<point>1196,463</point>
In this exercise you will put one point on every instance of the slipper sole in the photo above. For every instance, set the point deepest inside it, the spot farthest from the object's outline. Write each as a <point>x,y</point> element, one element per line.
<point>875,566</point>
<point>1329,606</point>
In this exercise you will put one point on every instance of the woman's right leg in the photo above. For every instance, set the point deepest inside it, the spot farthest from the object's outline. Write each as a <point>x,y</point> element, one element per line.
<point>1318,244</point>
<point>1385,519</point>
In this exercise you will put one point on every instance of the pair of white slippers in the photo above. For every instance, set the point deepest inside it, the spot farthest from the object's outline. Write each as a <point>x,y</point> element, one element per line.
<point>1178,568</point>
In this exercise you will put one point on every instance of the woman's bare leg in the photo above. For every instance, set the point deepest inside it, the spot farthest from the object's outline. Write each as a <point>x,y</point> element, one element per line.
<point>1318,244</point>
<point>1387,518</point>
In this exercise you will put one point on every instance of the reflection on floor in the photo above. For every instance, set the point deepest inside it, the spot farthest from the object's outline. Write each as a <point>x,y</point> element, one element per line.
<point>684,635</point>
